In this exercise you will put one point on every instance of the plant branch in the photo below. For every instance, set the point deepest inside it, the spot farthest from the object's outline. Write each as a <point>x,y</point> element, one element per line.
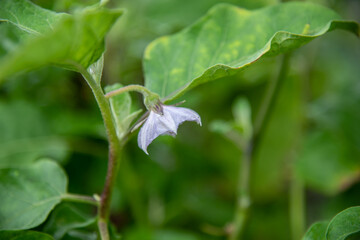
<point>80,199</point>
<point>297,215</point>
<point>137,88</point>
<point>243,192</point>
<point>270,97</point>
<point>114,151</point>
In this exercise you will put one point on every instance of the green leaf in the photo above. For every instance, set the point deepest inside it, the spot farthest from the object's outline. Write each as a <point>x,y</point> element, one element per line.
<point>344,224</point>
<point>228,39</point>
<point>71,41</point>
<point>29,17</point>
<point>316,231</point>
<point>24,235</point>
<point>242,116</point>
<point>28,194</point>
<point>66,218</point>
<point>221,127</point>
<point>121,109</point>
<point>96,69</point>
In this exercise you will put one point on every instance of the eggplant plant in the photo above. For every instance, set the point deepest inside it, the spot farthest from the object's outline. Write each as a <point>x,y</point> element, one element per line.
<point>225,42</point>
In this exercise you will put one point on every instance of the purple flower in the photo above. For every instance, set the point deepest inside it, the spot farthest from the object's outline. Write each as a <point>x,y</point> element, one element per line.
<point>164,120</point>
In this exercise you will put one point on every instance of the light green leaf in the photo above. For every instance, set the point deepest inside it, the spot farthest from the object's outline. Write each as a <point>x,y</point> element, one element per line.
<point>344,224</point>
<point>28,194</point>
<point>66,218</point>
<point>242,116</point>
<point>96,69</point>
<point>221,127</point>
<point>316,231</point>
<point>29,17</point>
<point>71,41</point>
<point>228,39</point>
<point>121,109</point>
<point>24,235</point>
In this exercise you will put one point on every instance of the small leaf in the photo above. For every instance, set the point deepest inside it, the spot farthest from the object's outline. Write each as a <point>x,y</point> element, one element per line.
<point>96,69</point>
<point>221,127</point>
<point>66,218</point>
<point>28,194</point>
<point>344,224</point>
<point>316,231</point>
<point>121,109</point>
<point>70,41</point>
<point>24,235</point>
<point>228,38</point>
<point>242,116</point>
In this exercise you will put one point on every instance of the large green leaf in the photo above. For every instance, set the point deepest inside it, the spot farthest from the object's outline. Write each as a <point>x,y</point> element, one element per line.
<point>28,194</point>
<point>316,231</point>
<point>24,235</point>
<point>29,17</point>
<point>228,39</point>
<point>71,41</point>
<point>344,224</point>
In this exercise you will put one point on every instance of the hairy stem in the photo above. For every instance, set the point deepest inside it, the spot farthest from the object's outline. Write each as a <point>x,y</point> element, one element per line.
<point>80,199</point>
<point>114,151</point>
<point>137,88</point>
<point>267,105</point>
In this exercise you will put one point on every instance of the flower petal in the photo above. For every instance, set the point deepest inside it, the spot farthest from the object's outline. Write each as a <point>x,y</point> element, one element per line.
<point>180,115</point>
<point>164,124</point>
<point>154,126</point>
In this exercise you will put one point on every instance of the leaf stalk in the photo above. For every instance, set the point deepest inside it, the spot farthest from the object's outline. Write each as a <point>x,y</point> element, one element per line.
<point>80,199</point>
<point>115,146</point>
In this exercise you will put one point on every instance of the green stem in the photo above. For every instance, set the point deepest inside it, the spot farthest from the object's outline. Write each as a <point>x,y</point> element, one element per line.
<point>270,97</point>
<point>297,215</point>
<point>137,88</point>
<point>114,151</point>
<point>80,199</point>
<point>244,198</point>
<point>243,193</point>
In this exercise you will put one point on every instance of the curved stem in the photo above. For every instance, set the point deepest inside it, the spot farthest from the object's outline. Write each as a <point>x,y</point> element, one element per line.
<point>137,88</point>
<point>270,96</point>
<point>80,199</point>
<point>114,151</point>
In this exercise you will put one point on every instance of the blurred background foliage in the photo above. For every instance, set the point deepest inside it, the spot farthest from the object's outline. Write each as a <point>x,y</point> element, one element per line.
<point>186,188</point>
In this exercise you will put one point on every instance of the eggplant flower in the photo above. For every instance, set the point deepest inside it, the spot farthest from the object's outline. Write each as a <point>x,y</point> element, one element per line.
<point>164,120</point>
